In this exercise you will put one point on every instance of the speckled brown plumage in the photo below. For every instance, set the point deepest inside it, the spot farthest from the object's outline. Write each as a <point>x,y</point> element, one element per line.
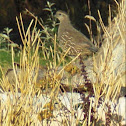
<point>71,38</point>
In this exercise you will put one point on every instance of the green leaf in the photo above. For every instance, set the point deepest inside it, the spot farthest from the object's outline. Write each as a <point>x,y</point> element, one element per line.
<point>4,36</point>
<point>47,9</point>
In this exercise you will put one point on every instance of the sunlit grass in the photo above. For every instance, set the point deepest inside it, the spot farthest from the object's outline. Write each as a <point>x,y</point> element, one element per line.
<point>32,90</point>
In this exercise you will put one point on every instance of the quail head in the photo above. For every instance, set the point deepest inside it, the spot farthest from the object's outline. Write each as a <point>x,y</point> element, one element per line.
<point>71,38</point>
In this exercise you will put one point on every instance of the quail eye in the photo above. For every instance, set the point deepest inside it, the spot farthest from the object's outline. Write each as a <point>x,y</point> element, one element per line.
<point>59,14</point>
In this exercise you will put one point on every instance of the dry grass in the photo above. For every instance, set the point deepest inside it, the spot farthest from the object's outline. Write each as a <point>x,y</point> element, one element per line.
<point>32,94</point>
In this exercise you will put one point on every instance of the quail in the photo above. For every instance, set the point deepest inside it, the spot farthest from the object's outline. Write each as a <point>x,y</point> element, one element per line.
<point>71,38</point>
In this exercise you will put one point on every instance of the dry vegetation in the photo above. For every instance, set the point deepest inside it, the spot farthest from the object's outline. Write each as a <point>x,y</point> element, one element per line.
<point>35,95</point>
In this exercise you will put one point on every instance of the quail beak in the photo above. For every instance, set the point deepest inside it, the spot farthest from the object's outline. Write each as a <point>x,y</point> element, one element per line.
<point>57,20</point>
<point>55,16</point>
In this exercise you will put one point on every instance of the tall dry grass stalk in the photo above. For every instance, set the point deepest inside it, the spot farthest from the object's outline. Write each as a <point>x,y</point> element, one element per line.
<point>17,108</point>
<point>108,65</point>
<point>107,68</point>
<point>28,87</point>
